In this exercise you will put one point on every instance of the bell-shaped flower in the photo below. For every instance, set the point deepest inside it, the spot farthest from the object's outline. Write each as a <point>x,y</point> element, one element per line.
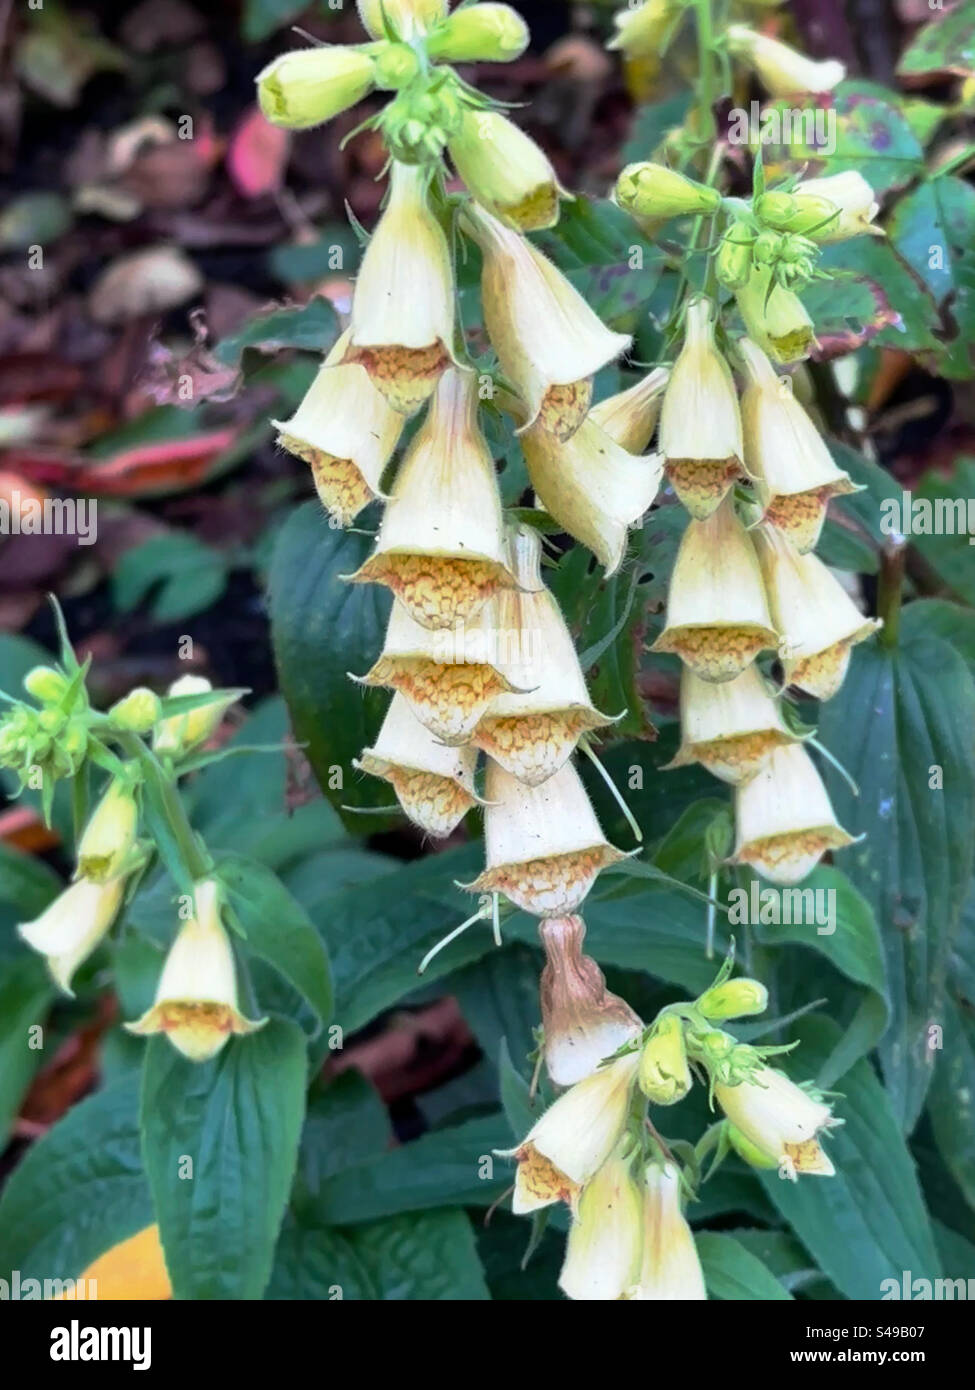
<point>592,486</point>
<point>781,70</point>
<point>602,1254</point>
<point>544,845</point>
<point>73,925</point>
<point>784,819</point>
<point>506,170</point>
<point>729,727</point>
<point>441,548</point>
<point>110,834</point>
<point>782,1121</point>
<point>549,342</point>
<point>670,1269</point>
<point>569,1144</point>
<point>533,730</point>
<point>433,783</point>
<point>583,1022</point>
<point>450,677</point>
<point>829,209</point>
<point>700,426</point>
<point>346,431</point>
<point>403,307</point>
<point>311,85</point>
<point>196,998</point>
<point>181,733</point>
<point>792,469</point>
<point>775,317</point>
<point>818,621</point>
<point>630,417</point>
<point>717,615</point>
<point>481,33</point>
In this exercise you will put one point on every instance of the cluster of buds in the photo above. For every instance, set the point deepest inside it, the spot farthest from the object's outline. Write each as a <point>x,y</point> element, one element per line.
<point>594,1148</point>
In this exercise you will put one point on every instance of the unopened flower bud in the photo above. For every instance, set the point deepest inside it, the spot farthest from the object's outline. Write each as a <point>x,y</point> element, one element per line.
<point>45,684</point>
<point>109,835</point>
<point>137,712</point>
<point>733,263</point>
<point>311,85</point>
<point>829,209</point>
<point>583,1022</point>
<point>642,29</point>
<point>483,33</point>
<point>395,66</point>
<point>734,999</point>
<point>506,170</point>
<point>408,18</point>
<point>651,191</point>
<point>664,1075</point>
<point>774,317</point>
<point>782,71</point>
<point>179,733</point>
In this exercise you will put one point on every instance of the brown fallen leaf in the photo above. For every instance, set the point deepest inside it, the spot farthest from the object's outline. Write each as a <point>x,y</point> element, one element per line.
<point>143,282</point>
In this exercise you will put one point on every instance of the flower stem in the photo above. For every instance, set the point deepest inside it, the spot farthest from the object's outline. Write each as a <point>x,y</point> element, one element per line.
<point>893,562</point>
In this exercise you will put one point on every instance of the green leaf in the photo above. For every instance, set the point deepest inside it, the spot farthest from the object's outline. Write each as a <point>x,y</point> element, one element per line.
<point>26,995</point>
<point>302,262</point>
<point>278,930</point>
<point>943,48</point>
<point>323,629</point>
<point>942,503</point>
<point>426,1256</point>
<point>951,622</point>
<point>952,1100</point>
<point>907,316</point>
<point>499,999</point>
<point>78,1191</point>
<point>187,576</point>
<point>313,327</point>
<point>237,1119</point>
<point>731,1272</point>
<point>26,882</point>
<point>867,1222</point>
<point>915,864</point>
<point>314,1262</point>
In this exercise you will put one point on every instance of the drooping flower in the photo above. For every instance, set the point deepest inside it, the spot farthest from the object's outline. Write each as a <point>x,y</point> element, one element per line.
<point>792,469</point>
<point>670,1269</point>
<point>717,615</point>
<point>583,1022</point>
<point>450,677</point>
<point>548,340</point>
<point>506,171</point>
<point>346,431</point>
<point>441,548</point>
<point>73,925</point>
<point>700,425</point>
<point>196,998</point>
<point>775,317</point>
<point>569,1144</point>
<point>782,1120</point>
<point>782,71</point>
<point>818,621</point>
<point>630,417</point>
<point>544,846</point>
<point>533,730</point>
<point>592,486</point>
<point>829,209</point>
<point>602,1254</point>
<point>403,308</point>
<point>729,727</point>
<point>785,821</point>
<point>311,85</point>
<point>109,835</point>
<point>433,783</point>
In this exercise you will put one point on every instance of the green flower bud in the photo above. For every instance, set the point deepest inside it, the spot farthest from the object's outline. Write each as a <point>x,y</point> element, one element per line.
<point>138,712</point>
<point>734,999</point>
<point>734,259</point>
<point>45,684</point>
<point>182,732</point>
<point>109,835</point>
<point>664,1075</point>
<point>396,65</point>
<point>311,85</point>
<point>751,1153</point>
<point>484,33</point>
<point>774,317</point>
<point>652,191</point>
<point>406,18</point>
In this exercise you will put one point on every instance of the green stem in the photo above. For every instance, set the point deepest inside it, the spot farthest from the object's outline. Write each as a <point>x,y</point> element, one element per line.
<point>198,865</point>
<point>705,53</point>
<point>893,562</point>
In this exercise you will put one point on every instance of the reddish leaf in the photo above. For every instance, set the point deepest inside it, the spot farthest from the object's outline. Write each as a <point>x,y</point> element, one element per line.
<point>169,465</point>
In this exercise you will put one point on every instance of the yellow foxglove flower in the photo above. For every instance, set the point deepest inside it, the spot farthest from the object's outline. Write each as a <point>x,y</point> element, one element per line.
<point>109,835</point>
<point>793,471</point>
<point>602,1254</point>
<point>506,171</point>
<point>717,616</point>
<point>592,486</point>
<point>700,426</point>
<point>734,999</point>
<point>785,821</point>
<point>774,317</point>
<point>450,677</point>
<point>403,308</point>
<point>781,70</point>
<point>829,209</point>
<point>544,845</point>
<point>533,731</point>
<point>583,1022</point>
<point>549,342</point>
<point>311,85</point>
<point>670,1270</point>
<point>71,927</point>
<point>181,732</point>
<point>818,621</point>
<point>641,29</point>
<point>652,192</point>
<point>729,727</point>
<point>781,1120</point>
<point>409,18</point>
<point>441,548</point>
<point>196,998</point>
<point>664,1076</point>
<point>569,1144</point>
<point>433,783</point>
<point>630,417</point>
<point>484,33</point>
<point>346,431</point>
